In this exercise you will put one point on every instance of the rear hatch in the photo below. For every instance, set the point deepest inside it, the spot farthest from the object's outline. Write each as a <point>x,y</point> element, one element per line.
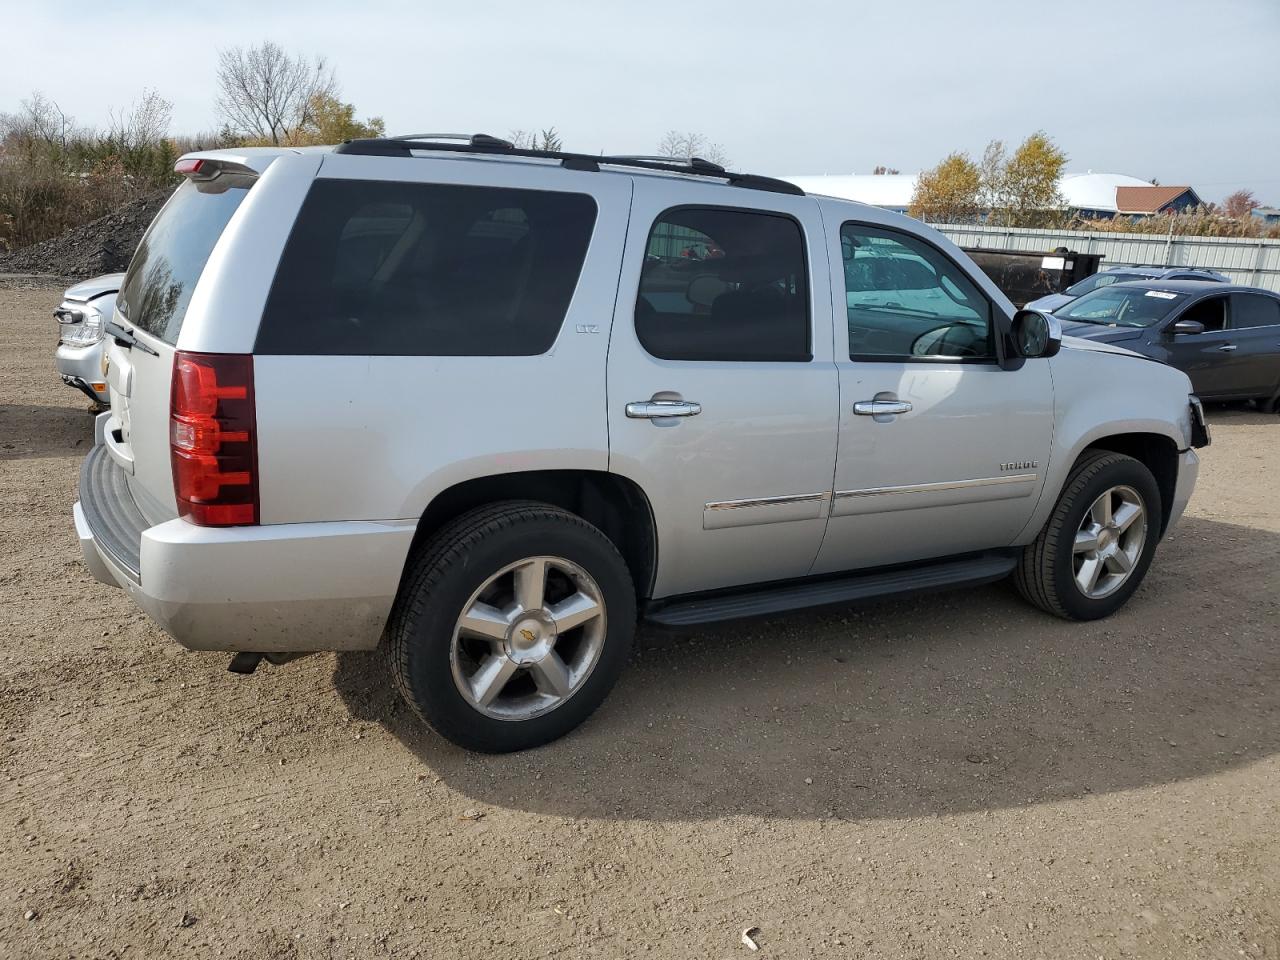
<point>143,334</point>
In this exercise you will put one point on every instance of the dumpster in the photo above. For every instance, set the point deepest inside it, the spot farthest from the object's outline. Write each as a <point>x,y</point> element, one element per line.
<point>1026,275</point>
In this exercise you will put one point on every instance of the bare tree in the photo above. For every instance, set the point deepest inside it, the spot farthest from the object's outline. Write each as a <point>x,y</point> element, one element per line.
<point>39,121</point>
<point>144,123</point>
<point>881,171</point>
<point>685,146</point>
<point>267,94</point>
<point>548,139</point>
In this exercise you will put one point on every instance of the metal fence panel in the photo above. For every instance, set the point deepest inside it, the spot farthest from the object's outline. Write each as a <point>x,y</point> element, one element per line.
<point>1244,260</point>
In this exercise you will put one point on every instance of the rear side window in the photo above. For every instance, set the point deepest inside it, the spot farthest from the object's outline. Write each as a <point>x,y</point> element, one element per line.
<point>1254,310</point>
<point>376,268</point>
<point>169,260</point>
<point>721,284</point>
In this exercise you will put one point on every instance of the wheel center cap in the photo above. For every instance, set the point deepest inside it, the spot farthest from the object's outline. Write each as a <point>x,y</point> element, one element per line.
<point>530,639</point>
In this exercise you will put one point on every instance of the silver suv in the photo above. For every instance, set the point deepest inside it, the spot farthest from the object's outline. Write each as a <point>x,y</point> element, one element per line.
<point>486,407</point>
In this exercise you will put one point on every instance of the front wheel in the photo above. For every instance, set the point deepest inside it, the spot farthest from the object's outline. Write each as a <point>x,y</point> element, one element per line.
<point>1097,544</point>
<point>512,626</point>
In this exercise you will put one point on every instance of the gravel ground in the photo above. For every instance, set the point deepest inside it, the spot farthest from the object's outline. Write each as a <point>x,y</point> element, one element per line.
<point>952,776</point>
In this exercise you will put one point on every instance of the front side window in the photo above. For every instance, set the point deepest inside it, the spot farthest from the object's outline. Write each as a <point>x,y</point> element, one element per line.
<point>1254,310</point>
<point>377,268</point>
<point>907,301</point>
<point>720,284</point>
<point>1212,312</point>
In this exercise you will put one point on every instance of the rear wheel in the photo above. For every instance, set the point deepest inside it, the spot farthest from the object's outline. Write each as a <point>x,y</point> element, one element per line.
<point>512,626</point>
<point>1097,544</point>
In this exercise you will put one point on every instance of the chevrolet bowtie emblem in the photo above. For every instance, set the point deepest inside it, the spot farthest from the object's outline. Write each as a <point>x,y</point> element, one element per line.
<point>527,634</point>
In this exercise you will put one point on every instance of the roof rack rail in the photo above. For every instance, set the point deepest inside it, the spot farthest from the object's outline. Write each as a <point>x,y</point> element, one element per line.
<point>404,146</point>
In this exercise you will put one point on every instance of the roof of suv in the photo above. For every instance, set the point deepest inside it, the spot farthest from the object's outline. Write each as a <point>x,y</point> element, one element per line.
<point>1190,286</point>
<point>1156,272</point>
<point>491,148</point>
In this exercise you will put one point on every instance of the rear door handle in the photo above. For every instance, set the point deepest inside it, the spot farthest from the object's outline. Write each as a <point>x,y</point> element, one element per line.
<point>881,408</point>
<point>1227,347</point>
<point>648,409</point>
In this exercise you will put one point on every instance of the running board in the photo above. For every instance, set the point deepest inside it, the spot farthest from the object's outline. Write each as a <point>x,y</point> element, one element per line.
<point>775,598</point>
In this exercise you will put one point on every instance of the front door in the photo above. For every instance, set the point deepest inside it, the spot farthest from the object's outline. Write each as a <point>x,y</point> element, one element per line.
<point>1208,358</point>
<point>941,451</point>
<point>721,390</point>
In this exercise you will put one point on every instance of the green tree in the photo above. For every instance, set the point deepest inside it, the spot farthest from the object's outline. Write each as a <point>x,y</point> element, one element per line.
<point>949,192</point>
<point>329,120</point>
<point>1021,190</point>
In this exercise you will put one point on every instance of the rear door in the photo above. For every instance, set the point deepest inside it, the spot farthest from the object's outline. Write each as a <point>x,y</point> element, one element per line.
<point>150,310</point>
<point>721,391</point>
<point>1255,329</point>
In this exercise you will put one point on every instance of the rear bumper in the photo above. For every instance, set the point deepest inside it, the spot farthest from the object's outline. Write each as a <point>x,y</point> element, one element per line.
<point>288,587</point>
<point>1188,471</point>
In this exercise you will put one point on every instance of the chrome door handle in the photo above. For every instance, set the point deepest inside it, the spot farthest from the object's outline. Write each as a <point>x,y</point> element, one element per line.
<point>648,409</point>
<point>1227,347</point>
<point>881,408</point>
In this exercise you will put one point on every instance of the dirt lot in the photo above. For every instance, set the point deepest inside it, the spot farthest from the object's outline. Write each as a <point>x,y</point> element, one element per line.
<point>954,776</point>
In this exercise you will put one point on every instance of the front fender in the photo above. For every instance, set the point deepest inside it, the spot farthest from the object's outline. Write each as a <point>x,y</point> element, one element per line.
<point>1103,395</point>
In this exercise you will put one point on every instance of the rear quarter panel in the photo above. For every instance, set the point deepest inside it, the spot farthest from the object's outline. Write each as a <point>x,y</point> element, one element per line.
<point>378,437</point>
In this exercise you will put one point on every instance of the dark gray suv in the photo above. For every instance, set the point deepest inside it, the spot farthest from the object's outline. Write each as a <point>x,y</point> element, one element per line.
<point>1226,338</point>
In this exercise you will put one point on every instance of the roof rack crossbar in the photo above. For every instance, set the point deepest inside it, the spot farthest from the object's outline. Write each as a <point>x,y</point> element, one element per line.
<point>404,146</point>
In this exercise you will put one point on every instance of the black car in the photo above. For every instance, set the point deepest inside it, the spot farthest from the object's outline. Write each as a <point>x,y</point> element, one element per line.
<point>1226,338</point>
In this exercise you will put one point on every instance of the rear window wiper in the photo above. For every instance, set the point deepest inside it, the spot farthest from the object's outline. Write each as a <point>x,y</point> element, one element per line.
<point>126,338</point>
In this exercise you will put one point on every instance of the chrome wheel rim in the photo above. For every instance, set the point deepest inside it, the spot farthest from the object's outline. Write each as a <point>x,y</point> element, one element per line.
<point>528,638</point>
<point>1109,542</point>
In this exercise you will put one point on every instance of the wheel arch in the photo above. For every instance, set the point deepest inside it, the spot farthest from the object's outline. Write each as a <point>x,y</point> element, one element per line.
<point>1156,451</point>
<point>613,503</point>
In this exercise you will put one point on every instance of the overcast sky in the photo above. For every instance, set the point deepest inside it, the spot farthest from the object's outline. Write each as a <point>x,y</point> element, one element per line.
<point>1187,92</point>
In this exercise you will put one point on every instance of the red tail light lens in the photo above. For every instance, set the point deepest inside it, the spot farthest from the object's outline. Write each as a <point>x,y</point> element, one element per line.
<point>213,442</point>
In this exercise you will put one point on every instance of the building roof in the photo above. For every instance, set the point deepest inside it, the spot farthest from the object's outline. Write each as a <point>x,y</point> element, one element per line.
<point>1095,191</point>
<point>891,190</point>
<point>1081,191</point>
<point>1148,199</point>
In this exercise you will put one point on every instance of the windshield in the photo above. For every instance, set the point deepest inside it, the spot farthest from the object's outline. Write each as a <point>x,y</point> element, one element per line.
<point>1127,306</point>
<point>1100,280</point>
<point>163,273</point>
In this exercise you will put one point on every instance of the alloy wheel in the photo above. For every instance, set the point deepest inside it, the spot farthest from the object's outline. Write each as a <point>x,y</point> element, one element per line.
<point>528,638</point>
<point>1109,542</point>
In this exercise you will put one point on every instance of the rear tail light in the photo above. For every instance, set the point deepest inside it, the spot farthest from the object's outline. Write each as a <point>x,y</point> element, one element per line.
<point>213,442</point>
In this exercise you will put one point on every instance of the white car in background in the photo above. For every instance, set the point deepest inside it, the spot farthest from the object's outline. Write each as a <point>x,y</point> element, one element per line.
<point>82,317</point>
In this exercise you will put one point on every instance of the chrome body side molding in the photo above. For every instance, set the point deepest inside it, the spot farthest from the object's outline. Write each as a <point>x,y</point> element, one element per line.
<point>745,513</point>
<point>916,495</point>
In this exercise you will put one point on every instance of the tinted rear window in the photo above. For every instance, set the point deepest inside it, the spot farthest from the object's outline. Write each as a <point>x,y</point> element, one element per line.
<point>172,254</point>
<point>401,269</point>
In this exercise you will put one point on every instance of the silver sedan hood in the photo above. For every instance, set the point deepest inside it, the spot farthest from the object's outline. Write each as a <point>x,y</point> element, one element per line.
<point>89,289</point>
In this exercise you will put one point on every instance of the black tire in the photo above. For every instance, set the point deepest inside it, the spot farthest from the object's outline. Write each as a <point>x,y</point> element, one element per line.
<point>1045,575</point>
<point>444,575</point>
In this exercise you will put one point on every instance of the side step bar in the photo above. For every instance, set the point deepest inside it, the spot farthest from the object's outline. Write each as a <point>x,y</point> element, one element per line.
<point>774,598</point>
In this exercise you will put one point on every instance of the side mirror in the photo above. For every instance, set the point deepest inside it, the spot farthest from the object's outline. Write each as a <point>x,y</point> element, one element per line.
<point>1036,333</point>
<point>1185,328</point>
